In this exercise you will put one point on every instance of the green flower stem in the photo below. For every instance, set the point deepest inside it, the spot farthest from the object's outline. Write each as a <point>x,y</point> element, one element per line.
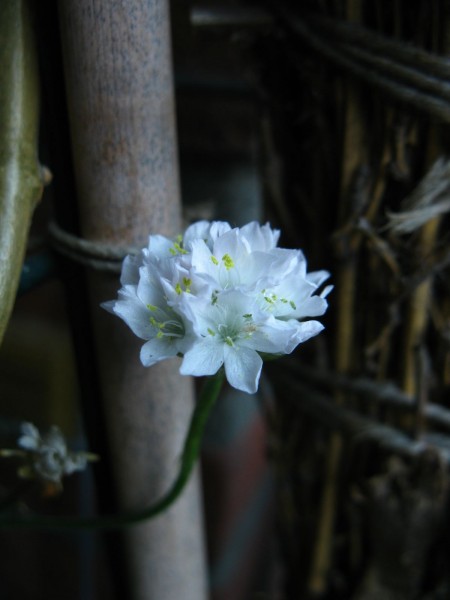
<point>189,457</point>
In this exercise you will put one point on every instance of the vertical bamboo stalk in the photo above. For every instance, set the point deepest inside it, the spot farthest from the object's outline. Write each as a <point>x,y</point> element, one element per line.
<point>419,306</point>
<point>20,179</point>
<point>418,312</point>
<point>119,85</point>
<point>353,157</point>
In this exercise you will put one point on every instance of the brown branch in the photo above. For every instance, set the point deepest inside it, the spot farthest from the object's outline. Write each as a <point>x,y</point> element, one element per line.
<point>355,426</point>
<point>386,393</point>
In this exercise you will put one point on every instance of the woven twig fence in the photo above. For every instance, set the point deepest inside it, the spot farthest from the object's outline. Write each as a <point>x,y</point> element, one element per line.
<point>357,97</point>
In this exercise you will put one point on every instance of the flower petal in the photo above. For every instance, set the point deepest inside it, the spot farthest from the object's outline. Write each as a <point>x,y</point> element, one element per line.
<point>318,277</point>
<point>156,350</point>
<point>130,269</point>
<point>204,358</point>
<point>159,246</point>
<point>30,438</point>
<point>315,306</point>
<point>136,316</point>
<point>260,237</point>
<point>242,368</point>
<point>303,331</point>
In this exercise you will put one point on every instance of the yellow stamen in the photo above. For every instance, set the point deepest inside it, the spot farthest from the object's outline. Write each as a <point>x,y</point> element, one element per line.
<point>227,261</point>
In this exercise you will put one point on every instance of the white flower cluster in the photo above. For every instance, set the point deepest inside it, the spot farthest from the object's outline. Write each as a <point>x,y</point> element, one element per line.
<point>220,296</point>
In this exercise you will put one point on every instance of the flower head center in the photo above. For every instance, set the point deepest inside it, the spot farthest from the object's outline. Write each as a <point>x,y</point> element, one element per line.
<point>227,261</point>
<point>171,328</point>
<point>177,247</point>
<point>235,329</point>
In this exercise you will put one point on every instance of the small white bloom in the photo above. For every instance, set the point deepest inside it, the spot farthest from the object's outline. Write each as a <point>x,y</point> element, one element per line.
<point>220,296</point>
<point>231,263</point>
<point>294,297</point>
<point>231,331</point>
<point>145,309</point>
<point>206,231</point>
<point>46,456</point>
<point>30,438</point>
<point>262,238</point>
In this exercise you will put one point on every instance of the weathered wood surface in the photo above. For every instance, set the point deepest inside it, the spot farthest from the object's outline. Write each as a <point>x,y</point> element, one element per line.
<point>119,85</point>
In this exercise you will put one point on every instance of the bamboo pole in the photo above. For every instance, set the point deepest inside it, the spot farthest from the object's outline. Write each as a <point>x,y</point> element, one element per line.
<point>354,157</point>
<point>121,108</point>
<point>20,175</point>
<point>415,375</point>
<point>418,309</point>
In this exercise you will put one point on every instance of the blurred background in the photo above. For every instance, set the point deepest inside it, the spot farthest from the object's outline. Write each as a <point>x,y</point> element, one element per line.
<point>329,120</point>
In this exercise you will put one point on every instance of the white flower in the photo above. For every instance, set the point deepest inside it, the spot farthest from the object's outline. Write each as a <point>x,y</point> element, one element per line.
<point>46,456</point>
<point>231,262</point>
<point>229,331</point>
<point>294,296</point>
<point>206,231</point>
<point>259,237</point>
<point>220,296</point>
<point>144,308</point>
<point>233,331</point>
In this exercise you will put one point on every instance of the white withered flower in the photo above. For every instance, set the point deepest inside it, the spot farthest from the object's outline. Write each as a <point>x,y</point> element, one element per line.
<point>218,297</point>
<point>46,456</point>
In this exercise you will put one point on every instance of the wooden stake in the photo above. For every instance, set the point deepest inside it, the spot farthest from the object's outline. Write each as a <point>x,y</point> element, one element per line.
<point>121,106</point>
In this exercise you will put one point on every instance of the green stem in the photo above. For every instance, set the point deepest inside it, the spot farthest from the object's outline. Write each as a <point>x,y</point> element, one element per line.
<point>189,457</point>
